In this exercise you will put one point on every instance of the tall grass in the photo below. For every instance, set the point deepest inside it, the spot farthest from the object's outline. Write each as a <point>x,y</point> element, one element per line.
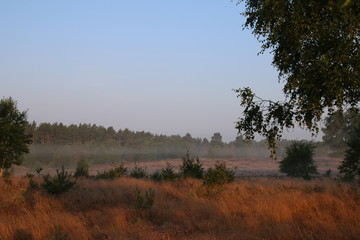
<point>261,208</point>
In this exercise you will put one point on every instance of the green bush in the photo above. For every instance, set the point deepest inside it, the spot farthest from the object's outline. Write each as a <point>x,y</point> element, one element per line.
<point>116,172</point>
<point>299,160</point>
<point>156,176</point>
<point>191,167</point>
<point>82,168</point>
<point>32,183</point>
<point>350,166</point>
<point>138,172</point>
<point>165,174</point>
<point>219,175</point>
<point>58,184</point>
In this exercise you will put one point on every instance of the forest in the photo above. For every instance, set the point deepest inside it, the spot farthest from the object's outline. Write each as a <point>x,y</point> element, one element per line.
<point>56,144</point>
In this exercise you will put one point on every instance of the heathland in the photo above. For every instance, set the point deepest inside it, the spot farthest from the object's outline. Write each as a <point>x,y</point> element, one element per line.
<point>249,208</point>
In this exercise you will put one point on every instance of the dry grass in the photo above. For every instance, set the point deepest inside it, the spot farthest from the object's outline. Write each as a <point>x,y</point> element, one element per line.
<point>261,208</point>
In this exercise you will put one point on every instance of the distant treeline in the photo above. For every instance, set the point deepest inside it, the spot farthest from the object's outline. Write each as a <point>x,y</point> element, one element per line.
<point>57,144</point>
<point>58,133</point>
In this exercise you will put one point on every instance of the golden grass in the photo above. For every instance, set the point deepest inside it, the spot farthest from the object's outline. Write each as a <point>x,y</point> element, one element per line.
<point>261,208</point>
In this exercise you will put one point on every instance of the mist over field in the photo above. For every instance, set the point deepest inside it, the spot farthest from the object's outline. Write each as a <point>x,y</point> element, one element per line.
<point>57,145</point>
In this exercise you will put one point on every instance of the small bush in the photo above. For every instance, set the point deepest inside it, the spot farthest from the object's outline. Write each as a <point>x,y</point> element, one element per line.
<point>165,174</point>
<point>33,184</point>
<point>82,168</point>
<point>116,172</point>
<point>138,172</point>
<point>219,175</point>
<point>58,184</point>
<point>299,161</point>
<point>191,167</point>
<point>144,201</point>
<point>156,176</point>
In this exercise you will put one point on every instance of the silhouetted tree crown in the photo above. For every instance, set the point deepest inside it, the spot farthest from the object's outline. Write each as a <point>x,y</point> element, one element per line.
<point>339,127</point>
<point>14,140</point>
<point>299,160</point>
<point>350,166</point>
<point>315,47</point>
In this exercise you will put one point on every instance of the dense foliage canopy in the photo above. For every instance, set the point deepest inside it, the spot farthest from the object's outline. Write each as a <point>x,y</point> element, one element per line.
<point>350,166</point>
<point>315,47</point>
<point>339,127</point>
<point>14,141</point>
<point>299,160</point>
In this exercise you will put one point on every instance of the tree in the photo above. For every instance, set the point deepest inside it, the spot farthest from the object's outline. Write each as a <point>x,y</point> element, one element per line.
<point>339,127</point>
<point>14,141</point>
<point>216,140</point>
<point>350,166</point>
<point>299,160</point>
<point>315,47</point>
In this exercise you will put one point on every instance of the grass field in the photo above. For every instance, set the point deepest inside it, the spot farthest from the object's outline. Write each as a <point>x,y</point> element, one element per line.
<point>249,208</point>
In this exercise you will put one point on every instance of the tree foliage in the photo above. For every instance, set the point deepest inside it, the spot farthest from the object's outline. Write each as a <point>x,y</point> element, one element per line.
<point>219,174</point>
<point>14,140</point>
<point>315,47</point>
<point>350,166</point>
<point>82,168</point>
<point>191,167</point>
<point>339,127</point>
<point>299,160</point>
<point>60,183</point>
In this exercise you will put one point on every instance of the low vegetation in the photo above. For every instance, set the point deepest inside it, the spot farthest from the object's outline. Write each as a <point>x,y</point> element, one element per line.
<point>138,172</point>
<point>113,173</point>
<point>82,168</point>
<point>62,182</point>
<point>191,167</point>
<point>219,175</point>
<point>165,174</point>
<point>258,208</point>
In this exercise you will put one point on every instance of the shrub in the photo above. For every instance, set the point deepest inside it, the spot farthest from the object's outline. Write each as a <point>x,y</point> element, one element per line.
<point>219,175</point>
<point>116,172</point>
<point>138,172</point>
<point>58,184</point>
<point>156,176</point>
<point>144,201</point>
<point>82,168</point>
<point>350,166</point>
<point>191,167</point>
<point>299,160</point>
<point>165,174</point>
<point>33,184</point>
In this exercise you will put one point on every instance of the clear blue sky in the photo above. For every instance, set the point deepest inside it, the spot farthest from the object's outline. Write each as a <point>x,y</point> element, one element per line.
<point>161,66</point>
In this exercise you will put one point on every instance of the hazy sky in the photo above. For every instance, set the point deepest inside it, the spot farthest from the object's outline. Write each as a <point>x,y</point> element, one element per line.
<point>161,66</point>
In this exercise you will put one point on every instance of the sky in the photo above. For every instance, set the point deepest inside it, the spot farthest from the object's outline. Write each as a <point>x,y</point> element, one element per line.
<point>167,67</point>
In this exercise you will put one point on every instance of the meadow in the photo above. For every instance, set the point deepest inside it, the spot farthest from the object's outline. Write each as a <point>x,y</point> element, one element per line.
<point>248,208</point>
